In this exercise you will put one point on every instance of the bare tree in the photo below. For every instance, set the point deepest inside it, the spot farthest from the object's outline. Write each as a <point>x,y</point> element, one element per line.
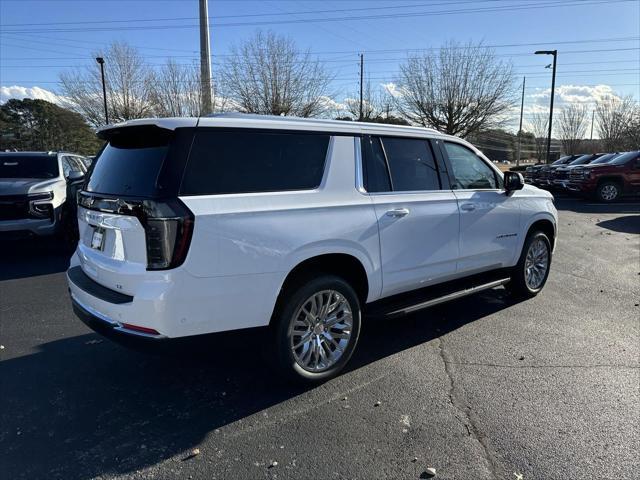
<point>572,126</point>
<point>616,119</point>
<point>373,103</point>
<point>459,90</point>
<point>539,126</point>
<point>267,74</point>
<point>128,84</point>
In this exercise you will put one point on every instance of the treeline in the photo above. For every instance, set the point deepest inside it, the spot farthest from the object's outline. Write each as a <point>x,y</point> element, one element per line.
<point>40,125</point>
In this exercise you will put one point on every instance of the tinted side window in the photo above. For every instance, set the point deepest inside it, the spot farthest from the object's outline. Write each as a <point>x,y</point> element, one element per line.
<point>411,164</point>
<point>470,172</point>
<point>242,162</point>
<point>376,176</point>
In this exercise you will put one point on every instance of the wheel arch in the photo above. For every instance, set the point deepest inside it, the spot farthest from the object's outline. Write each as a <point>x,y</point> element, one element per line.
<point>544,222</point>
<point>546,226</point>
<point>611,178</point>
<point>345,265</point>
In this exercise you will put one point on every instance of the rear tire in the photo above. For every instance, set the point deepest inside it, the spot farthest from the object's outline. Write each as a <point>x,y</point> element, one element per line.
<point>530,274</point>
<point>316,328</point>
<point>608,192</point>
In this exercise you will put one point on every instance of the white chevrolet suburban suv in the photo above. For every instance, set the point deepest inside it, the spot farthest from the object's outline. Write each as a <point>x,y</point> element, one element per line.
<point>198,225</point>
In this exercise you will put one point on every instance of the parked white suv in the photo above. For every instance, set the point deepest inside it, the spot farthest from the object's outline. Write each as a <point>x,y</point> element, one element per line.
<point>194,226</point>
<point>34,191</point>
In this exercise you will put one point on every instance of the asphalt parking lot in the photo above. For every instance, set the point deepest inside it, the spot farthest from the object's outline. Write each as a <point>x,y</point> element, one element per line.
<point>481,388</point>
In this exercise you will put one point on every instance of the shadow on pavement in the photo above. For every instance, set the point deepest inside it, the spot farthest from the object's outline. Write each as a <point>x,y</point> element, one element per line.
<point>626,224</point>
<point>78,408</point>
<point>29,257</point>
<point>580,205</point>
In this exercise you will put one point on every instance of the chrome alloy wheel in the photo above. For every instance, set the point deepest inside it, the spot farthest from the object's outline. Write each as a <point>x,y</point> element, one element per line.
<point>609,192</point>
<point>320,330</point>
<point>536,264</point>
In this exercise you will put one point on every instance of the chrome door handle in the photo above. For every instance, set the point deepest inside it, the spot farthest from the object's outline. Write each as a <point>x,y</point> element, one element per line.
<point>468,207</point>
<point>398,212</point>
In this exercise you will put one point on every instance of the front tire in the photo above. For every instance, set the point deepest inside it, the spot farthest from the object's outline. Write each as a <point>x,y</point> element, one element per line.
<point>608,192</point>
<point>316,328</point>
<point>530,274</point>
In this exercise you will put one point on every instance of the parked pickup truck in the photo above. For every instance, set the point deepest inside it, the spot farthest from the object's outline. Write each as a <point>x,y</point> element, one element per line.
<point>545,176</point>
<point>560,176</point>
<point>532,173</point>
<point>608,181</point>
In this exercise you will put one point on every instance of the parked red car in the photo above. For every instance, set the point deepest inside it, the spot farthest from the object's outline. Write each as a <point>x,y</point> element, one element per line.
<point>608,181</point>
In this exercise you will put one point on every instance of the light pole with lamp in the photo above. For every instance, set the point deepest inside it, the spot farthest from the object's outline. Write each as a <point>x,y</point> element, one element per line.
<point>553,89</point>
<point>100,60</point>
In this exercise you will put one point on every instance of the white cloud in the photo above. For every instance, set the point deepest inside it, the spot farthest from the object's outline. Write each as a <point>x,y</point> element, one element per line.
<point>19,92</point>
<point>331,104</point>
<point>568,94</point>
<point>392,89</point>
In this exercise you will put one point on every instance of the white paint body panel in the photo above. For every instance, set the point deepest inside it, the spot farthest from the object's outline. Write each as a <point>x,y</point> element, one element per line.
<point>244,245</point>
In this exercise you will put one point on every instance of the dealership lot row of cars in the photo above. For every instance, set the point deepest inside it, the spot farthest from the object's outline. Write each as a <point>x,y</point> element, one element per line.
<point>604,176</point>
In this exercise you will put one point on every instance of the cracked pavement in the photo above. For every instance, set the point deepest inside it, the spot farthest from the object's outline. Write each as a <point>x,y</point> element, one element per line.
<point>481,388</point>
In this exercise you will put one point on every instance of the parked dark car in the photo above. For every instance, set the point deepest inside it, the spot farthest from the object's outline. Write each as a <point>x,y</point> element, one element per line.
<point>608,181</point>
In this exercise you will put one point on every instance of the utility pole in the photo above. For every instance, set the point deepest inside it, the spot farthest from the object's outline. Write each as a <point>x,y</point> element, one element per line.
<point>361,83</point>
<point>524,81</point>
<point>205,59</point>
<point>593,114</point>
<point>100,61</point>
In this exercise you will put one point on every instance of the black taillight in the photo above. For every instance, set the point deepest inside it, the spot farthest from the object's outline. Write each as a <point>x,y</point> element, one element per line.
<point>168,228</point>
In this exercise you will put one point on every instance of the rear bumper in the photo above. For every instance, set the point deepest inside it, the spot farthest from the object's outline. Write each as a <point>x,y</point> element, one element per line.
<point>111,329</point>
<point>174,304</point>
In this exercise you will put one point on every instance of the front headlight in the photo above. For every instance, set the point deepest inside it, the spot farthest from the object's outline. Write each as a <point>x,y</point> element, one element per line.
<point>39,206</point>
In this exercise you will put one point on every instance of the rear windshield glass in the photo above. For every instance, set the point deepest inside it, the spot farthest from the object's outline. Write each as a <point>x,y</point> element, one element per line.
<point>242,162</point>
<point>24,166</point>
<point>129,165</point>
<point>624,158</point>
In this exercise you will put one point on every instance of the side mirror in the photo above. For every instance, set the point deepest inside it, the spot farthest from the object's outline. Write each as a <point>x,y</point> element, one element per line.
<point>513,181</point>
<point>75,175</point>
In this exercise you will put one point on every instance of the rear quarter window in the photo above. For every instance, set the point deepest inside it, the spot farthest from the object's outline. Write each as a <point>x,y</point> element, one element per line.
<point>223,161</point>
<point>130,163</point>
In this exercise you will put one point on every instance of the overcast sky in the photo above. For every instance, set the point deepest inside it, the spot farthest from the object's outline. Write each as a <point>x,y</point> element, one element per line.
<point>598,41</point>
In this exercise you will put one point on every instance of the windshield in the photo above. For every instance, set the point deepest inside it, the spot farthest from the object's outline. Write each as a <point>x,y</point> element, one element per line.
<point>605,158</point>
<point>582,160</point>
<point>562,160</point>
<point>624,158</point>
<point>28,166</point>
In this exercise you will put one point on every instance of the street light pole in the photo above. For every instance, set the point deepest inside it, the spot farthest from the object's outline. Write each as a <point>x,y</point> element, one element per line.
<point>553,90</point>
<point>100,60</point>
<point>524,82</point>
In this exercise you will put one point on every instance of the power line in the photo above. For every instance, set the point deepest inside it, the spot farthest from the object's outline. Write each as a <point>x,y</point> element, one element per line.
<point>529,6</point>
<point>247,15</point>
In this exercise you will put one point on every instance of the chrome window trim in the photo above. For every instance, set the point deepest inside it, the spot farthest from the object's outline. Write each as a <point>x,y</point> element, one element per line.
<point>357,146</point>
